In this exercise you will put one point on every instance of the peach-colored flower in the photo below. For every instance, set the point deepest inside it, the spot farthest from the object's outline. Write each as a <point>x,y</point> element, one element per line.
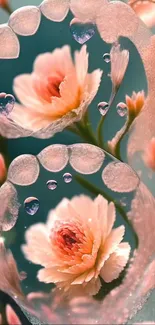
<point>149,155</point>
<point>145,10</point>
<point>135,102</point>
<point>56,94</point>
<point>77,245</point>
<point>3,170</point>
<point>119,62</point>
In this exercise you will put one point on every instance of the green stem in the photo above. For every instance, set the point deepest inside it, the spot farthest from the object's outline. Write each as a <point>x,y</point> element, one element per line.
<point>101,122</point>
<point>8,9</point>
<point>96,191</point>
<point>86,133</point>
<point>126,129</point>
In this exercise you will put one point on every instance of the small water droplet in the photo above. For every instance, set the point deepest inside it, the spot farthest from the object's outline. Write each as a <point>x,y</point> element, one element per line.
<point>31,205</point>
<point>7,102</point>
<point>52,184</point>
<point>23,275</point>
<point>106,57</point>
<point>103,108</point>
<point>89,220</point>
<point>67,177</point>
<point>123,202</point>
<point>81,32</point>
<point>121,109</point>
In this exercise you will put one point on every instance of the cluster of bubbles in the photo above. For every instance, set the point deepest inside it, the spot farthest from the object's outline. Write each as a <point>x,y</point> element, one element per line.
<point>121,108</point>
<point>31,204</point>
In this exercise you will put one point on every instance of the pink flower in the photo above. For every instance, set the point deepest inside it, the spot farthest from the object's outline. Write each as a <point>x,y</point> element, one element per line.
<point>119,62</point>
<point>149,154</point>
<point>3,170</point>
<point>11,317</point>
<point>77,245</point>
<point>56,94</point>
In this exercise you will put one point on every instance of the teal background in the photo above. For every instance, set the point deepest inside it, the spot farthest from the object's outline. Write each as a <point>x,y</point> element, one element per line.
<point>49,36</point>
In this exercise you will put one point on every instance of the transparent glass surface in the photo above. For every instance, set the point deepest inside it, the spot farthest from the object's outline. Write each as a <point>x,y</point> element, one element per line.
<point>45,167</point>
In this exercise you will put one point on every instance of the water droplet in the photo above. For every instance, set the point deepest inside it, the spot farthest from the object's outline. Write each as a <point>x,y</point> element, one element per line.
<point>23,275</point>
<point>90,219</point>
<point>123,201</point>
<point>67,177</point>
<point>31,205</point>
<point>106,57</point>
<point>121,109</point>
<point>7,102</point>
<point>103,108</point>
<point>81,32</point>
<point>52,184</point>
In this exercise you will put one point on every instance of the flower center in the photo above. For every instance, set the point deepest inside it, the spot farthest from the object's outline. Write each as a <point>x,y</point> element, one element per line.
<point>53,84</point>
<point>69,237</point>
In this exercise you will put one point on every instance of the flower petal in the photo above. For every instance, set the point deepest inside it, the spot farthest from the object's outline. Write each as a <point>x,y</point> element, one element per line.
<point>93,83</point>
<point>93,287</point>
<point>51,275</point>
<point>37,249</point>
<point>111,216</point>
<point>23,88</point>
<point>81,63</point>
<point>59,61</point>
<point>110,246</point>
<point>116,263</point>
<point>11,316</point>
<point>102,204</point>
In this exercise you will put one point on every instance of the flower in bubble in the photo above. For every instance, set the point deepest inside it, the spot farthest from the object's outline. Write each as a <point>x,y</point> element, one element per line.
<point>55,95</point>
<point>77,245</point>
<point>119,62</point>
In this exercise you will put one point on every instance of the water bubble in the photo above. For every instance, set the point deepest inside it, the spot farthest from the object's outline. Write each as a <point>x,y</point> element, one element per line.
<point>31,205</point>
<point>106,57</point>
<point>103,108</point>
<point>23,275</point>
<point>67,177</point>
<point>81,32</point>
<point>121,109</point>
<point>52,184</point>
<point>7,102</point>
<point>123,201</point>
